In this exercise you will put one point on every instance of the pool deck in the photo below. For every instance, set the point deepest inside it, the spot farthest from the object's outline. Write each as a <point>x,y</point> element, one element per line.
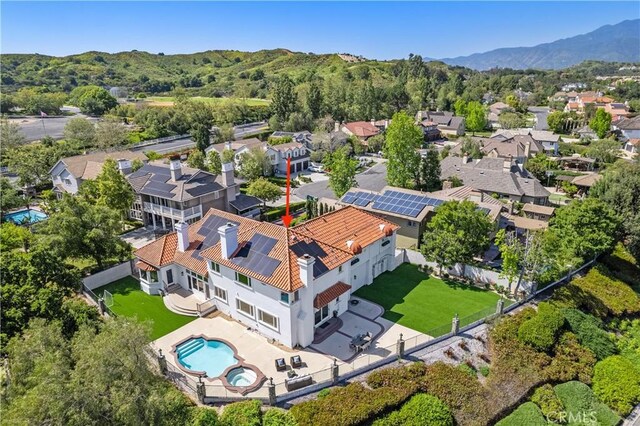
<point>251,346</point>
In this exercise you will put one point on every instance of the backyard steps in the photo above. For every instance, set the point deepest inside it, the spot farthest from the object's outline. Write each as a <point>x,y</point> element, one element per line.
<point>178,309</point>
<point>190,347</point>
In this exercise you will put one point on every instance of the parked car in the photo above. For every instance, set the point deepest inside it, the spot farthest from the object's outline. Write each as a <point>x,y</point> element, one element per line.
<point>317,168</point>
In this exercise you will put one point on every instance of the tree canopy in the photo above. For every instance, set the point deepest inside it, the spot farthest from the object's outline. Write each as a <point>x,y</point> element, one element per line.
<point>264,190</point>
<point>403,139</point>
<point>343,172</point>
<point>601,123</point>
<point>92,100</point>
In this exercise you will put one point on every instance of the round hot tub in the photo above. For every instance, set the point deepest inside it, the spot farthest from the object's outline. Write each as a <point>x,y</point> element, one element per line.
<point>241,377</point>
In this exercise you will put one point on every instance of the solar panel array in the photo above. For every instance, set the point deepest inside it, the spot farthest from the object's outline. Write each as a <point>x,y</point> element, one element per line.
<point>313,249</point>
<point>392,201</point>
<point>209,230</point>
<point>254,255</point>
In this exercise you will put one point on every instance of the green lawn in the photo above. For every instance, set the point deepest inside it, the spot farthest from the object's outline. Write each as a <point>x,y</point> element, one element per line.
<point>418,301</point>
<point>130,301</point>
<point>249,101</point>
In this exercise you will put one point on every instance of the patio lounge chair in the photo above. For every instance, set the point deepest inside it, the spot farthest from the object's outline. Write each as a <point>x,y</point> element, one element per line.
<point>281,365</point>
<point>296,361</point>
<point>298,382</point>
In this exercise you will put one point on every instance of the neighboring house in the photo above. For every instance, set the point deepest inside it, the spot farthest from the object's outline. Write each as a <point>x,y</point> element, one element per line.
<point>517,147</point>
<point>446,122</point>
<point>495,110</point>
<point>430,130</point>
<point>504,177</point>
<point>629,127</point>
<point>278,154</point>
<point>549,140</point>
<point>412,210</point>
<point>282,282</point>
<point>69,173</point>
<point>585,182</point>
<point>632,146</point>
<point>363,130</point>
<point>170,193</point>
<point>534,211</point>
<point>586,132</point>
<point>617,110</point>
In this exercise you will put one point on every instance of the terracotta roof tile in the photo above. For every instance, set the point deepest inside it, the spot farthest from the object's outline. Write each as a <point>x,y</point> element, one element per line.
<point>362,129</point>
<point>145,266</point>
<point>324,297</point>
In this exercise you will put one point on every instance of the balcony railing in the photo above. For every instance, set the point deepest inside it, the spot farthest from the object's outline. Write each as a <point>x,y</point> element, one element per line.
<point>172,212</point>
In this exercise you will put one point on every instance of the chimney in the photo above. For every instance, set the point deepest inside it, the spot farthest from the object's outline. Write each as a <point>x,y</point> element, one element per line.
<point>176,168</point>
<point>336,126</point>
<point>506,165</point>
<point>465,159</point>
<point>182,229</point>
<point>305,262</point>
<point>227,145</point>
<point>373,122</point>
<point>227,175</point>
<point>124,166</point>
<point>228,239</point>
<point>386,123</point>
<point>527,149</point>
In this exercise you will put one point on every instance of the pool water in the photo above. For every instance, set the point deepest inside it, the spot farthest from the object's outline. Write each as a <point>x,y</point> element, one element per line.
<point>25,216</point>
<point>241,377</point>
<point>210,356</point>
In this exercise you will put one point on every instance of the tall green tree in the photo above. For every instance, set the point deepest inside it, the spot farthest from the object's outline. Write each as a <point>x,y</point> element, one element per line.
<point>197,160</point>
<point>254,164</point>
<point>457,233</point>
<point>228,156</point>
<point>343,172</point>
<point>430,171</point>
<point>214,162</point>
<point>314,100</point>
<point>539,165</point>
<point>403,139</point>
<point>284,100</point>
<point>512,253</point>
<point>84,230</point>
<point>92,100</point>
<point>110,134</point>
<point>265,190</point>
<point>471,148</point>
<point>11,135</point>
<point>114,189</point>
<point>586,227</point>
<point>601,123</point>
<point>9,197</point>
<point>604,150</point>
<point>81,132</point>
<point>476,118</point>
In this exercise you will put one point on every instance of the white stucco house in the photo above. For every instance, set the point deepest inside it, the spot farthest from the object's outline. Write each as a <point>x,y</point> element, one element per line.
<point>282,282</point>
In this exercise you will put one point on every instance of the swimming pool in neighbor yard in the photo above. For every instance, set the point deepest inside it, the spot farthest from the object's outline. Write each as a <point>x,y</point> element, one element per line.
<point>210,356</point>
<point>26,216</point>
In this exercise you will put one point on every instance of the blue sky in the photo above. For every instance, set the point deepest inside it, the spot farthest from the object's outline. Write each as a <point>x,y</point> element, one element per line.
<point>380,30</point>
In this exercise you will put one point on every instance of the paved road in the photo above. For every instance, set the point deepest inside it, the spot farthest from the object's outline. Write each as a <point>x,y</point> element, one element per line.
<point>541,114</point>
<point>166,147</point>
<point>245,130</point>
<point>35,128</point>
<point>373,179</point>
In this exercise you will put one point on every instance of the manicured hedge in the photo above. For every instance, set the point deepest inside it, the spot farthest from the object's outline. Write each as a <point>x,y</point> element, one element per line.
<point>541,330</point>
<point>629,341</point>
<point>527,414</point>
<point>616,382</point>
<point>549,403</point>
<point>277,417</point>
<point>244,413</point>
<point>420,410</point>
<point>581,404</point>
<point>590,333</point>
<point>406,377</point>
<point>601,294</point>
<point>570,361</point>
<point>623,266</point>
<point>205,417</point>
<point>277,212</point>
<point>346,406</point>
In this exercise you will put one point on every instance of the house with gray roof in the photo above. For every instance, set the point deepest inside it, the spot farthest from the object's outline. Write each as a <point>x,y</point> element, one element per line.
<point>518,147</point>
<point>506,178</point>
<point>446,121</point>
<point>549,140</point>
<point>628,127</point>
<point>170,193</point>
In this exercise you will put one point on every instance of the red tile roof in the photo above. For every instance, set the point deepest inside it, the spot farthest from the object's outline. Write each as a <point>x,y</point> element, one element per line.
<point>362,129</point>
<point>144,266</point>
<point>329,232</point>
<point>325,297</point>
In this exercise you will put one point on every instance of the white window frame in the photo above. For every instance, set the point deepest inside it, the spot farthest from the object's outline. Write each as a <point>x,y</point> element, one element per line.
<point>252,315</point>
<point>217,289</point>
<point>266,324</point>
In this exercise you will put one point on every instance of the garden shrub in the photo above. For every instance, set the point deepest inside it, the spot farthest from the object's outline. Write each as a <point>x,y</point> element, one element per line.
<point>349,405</point>
<point>607,295</point>
<point>244,413</point>
<point>324,392</point>
<point>623,265</point>
<point>422,409</point>
<point>549,403</point>
<point>467,370</point>
<point>629,341</point>
<point>570,361</point>
<point>616,382</point>
<point>205,417</point>
<point>527,414</point>
<point>581,406</point>
<point>590,333</point>
<point>484,370</point>
<point>277,417</point>
<point>398,377</point>
<point>464,394</point>
<point>541,330</point>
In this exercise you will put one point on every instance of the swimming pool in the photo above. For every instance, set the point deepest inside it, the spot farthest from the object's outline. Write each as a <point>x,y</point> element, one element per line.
<point>211,356</point>
<point>26,216</point>
<point>241,376</point>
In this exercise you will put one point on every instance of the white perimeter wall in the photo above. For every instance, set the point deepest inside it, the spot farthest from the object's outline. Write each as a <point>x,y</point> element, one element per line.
<point>107,276</point>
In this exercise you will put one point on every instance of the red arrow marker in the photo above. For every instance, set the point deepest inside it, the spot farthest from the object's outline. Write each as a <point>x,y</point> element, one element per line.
<point>286,219</point>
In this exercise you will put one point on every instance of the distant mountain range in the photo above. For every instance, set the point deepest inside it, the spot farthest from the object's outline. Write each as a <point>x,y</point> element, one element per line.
<point>612,43</point>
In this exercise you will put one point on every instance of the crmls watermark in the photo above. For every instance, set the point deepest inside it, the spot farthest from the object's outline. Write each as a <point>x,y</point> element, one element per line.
<point>581,417</point>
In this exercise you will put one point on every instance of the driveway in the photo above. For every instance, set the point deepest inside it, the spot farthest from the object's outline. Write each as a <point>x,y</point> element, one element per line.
<point>373,179</point>
<point>541,114</point>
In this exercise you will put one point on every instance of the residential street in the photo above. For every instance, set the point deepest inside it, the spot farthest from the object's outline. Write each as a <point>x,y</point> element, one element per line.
<point>541,114</point>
